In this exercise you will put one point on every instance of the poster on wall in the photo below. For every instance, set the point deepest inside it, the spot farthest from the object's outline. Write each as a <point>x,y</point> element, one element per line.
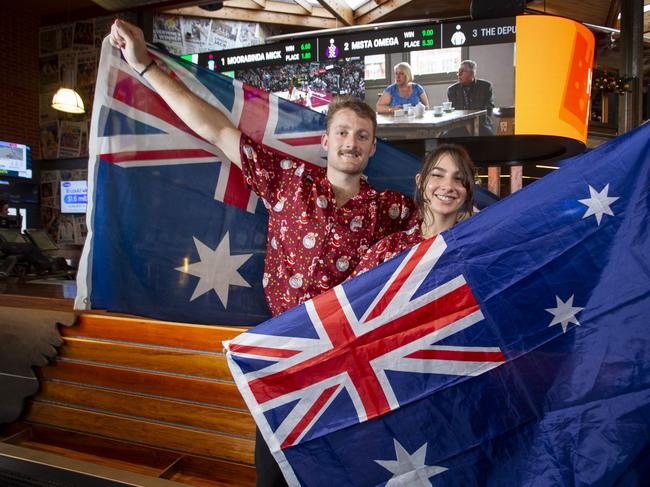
<point>50,189</point>
<point>190,35</point>
<point>55,38</point>
<point>248,34</point>
<point>68,68</point>
<point>84,35</point>
<point>48,72</point>
<point>167,31</point>
<point>65,234</point>
<point>223,34</point>
<point>45,111</point>
<point>49,138</point>
<point>49,40</point>
<point>80,229</point>
<point>196,32</point>
<point>70,138</point>
<point>86,68</point>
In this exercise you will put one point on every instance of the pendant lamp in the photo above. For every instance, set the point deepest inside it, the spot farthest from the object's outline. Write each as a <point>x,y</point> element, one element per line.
<point>68,100</point>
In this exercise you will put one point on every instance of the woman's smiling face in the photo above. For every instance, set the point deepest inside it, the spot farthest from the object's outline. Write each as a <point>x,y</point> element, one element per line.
<point>444,190</point>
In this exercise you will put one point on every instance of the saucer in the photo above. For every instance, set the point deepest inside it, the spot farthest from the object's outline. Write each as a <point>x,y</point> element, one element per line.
<point>438,114</point>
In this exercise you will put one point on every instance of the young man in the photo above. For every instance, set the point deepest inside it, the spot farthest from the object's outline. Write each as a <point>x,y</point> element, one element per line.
<point>320,220</point>
<point>470,93</point>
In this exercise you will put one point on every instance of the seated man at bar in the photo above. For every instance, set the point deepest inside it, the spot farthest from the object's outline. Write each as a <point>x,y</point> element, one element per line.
<point>403,91</point>
<point>471,93</point>
<point>320,220</point>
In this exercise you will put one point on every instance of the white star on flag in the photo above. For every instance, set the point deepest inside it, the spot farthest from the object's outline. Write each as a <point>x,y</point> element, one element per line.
<point>216,270</point>
<point>564,313</point>
<point>598,203</point>
<point>409,469</point>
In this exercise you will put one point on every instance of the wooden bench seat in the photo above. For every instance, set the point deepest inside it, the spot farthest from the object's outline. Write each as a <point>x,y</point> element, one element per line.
<point>151,397</point>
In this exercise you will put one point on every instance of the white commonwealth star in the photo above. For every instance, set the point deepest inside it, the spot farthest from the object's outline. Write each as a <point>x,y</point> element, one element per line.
<point>598,203</point>
<point>409,470</point>
<point>564,313</point>
<point>216,270</point>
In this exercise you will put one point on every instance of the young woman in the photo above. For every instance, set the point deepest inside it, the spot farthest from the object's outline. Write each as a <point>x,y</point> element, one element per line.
<point>403,91</point>
<point>444,195</point>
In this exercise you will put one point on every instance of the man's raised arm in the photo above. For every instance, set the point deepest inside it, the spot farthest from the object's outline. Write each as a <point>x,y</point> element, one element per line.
<point>206,120</point>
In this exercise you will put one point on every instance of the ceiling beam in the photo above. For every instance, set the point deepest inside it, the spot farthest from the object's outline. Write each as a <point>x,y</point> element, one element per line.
<point>340,10</point>
<point>279,7</point>
<point>376,14</point>
<point>306,5</point>
<point>365,8</point>
<point>612,14</point>
<point>260,16</point>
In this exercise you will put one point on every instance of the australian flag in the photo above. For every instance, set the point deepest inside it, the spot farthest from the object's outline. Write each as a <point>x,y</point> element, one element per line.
<point>513,349</point>
<point>173,233</point>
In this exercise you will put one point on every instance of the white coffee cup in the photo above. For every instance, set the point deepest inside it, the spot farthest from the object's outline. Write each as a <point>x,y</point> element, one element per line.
<point>419,110</point>
<point>437,110</point>
<point>446,105</point>
<point>399,112</point>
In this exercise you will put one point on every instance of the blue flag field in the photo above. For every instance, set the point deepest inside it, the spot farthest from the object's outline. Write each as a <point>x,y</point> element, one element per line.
<point>513,349</point>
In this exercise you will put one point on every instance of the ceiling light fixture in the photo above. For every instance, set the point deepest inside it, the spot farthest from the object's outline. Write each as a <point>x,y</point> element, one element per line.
<point>68,100</point>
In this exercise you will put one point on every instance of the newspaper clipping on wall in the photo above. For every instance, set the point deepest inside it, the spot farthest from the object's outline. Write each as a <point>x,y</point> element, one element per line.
<point>191,35</point>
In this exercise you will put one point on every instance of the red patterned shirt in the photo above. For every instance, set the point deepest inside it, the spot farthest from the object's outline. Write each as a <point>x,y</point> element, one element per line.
<point>388,248</point>
<point>312,245</point>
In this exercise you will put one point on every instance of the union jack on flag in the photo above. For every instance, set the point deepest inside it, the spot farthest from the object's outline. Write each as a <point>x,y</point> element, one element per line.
<point>512,349</point>
<point>358,344</point>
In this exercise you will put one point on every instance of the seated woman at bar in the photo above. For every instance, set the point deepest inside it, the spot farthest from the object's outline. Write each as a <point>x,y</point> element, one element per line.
<point>403,91</point>
<point>444,195</point>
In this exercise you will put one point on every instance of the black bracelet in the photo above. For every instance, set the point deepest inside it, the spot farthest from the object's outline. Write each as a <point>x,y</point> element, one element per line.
<point>141,73</point>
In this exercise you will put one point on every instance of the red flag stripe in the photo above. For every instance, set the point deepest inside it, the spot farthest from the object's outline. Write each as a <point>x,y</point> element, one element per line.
<point>309,416</point>
<point>264,351</point>
<point>458,355</point>
<point>299,141</point>
<point>396,285</point>
<point>117,157</point>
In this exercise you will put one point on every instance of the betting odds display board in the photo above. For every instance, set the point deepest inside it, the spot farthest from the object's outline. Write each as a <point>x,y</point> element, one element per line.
<point>331,48</point>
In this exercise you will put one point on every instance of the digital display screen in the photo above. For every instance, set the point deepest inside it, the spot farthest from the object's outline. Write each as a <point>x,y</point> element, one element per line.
<point>74,196</point>
<point>15,160</point>
<point>329,48</point>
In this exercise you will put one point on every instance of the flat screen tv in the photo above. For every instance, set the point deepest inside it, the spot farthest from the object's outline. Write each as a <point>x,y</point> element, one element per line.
<point>15,160</point>
<point>74,196</point>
